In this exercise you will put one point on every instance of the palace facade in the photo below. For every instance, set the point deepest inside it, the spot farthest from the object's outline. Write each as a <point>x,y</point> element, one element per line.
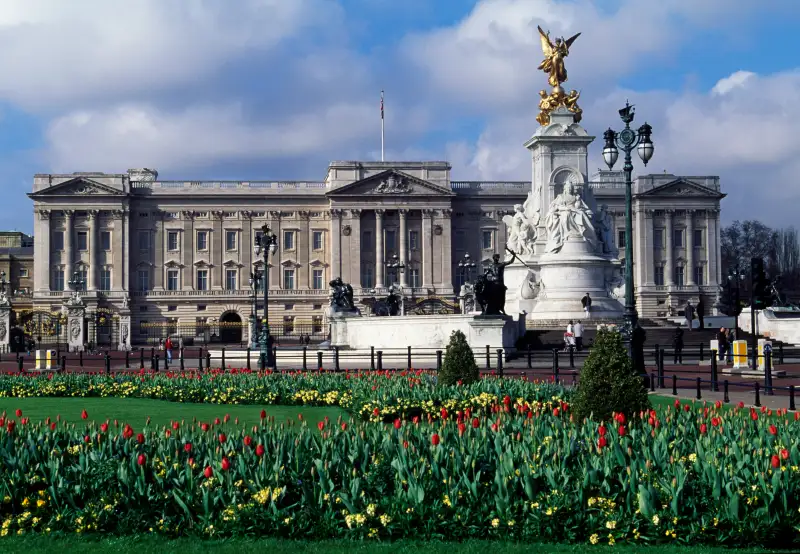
<point>181,252</point>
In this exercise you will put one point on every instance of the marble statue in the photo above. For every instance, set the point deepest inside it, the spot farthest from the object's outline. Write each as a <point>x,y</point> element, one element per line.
<point>616,287</point>
<point>568,216</point>
<point>522,227</point>
<point>604,227</point>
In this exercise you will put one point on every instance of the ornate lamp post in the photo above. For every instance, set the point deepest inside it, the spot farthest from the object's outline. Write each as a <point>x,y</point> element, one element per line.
<point>255,280</point>
<point>627,140</point>
<point>466,267</point>
<point>393,266</point>
<point>735,277</point>
<point>76,285</point>
<point>265,244</point>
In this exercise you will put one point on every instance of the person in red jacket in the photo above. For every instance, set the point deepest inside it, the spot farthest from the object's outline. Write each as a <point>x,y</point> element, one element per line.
<point>168,349</point>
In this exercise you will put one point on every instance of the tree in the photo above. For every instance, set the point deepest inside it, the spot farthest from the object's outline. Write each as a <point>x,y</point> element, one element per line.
<point>608,381</point>
<point>459,363</point>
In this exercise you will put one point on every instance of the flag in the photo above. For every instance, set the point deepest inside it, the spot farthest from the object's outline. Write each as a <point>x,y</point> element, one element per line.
<point>381,104</point>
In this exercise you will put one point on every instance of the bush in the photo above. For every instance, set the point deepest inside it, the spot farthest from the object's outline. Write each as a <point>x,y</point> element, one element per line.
<point>608,381</point>
<point>459,363</point>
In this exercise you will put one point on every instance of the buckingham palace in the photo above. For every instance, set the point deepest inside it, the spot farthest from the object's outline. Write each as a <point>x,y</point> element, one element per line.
<point>181,252</point>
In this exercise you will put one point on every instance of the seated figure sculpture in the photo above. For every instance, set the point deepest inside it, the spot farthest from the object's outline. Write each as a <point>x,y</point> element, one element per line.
<point>341,296</point>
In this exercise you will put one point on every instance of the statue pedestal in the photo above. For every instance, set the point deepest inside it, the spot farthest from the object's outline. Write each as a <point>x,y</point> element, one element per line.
<point>519,280</point>
<point>124,339</point>
<point>566,276</point>
<point>339,326</point>
<point>76,329</point>
<point>5,327</point>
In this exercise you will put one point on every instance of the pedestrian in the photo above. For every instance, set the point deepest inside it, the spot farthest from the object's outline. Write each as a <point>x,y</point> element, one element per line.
<point>586,302</point>
<point>569,336</point>
<point>731,338</point>
<point>168,349</point>
<point>701,312</point>
<point>677,345</point>
<point>578,332</point>
<point>688,313</point>
<point>722,343</point>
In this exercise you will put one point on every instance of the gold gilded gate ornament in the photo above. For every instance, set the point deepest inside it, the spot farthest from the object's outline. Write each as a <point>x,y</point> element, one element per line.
<point>553,65</point>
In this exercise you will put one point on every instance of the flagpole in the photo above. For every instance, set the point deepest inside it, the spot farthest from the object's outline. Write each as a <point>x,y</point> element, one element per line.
<point>382,128</point>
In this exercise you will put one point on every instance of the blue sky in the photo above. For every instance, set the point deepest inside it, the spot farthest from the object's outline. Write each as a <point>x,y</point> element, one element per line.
<point>275,89</point>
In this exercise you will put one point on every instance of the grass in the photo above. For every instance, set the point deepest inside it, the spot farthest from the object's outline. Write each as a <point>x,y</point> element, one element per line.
<point>136,411</point>
<point>145,545</point>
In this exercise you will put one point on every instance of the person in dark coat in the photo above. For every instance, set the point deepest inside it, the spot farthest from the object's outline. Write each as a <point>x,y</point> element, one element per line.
<point>722,339</point>
<point>701,309</point>
<point>677,345</point>
<point>688,313</point>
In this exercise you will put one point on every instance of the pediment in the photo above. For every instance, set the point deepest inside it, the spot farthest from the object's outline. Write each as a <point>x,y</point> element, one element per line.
<point>290,263</point>
<point>79,186</point>
<point>682,187</point>
<point>259,264</point>
<point>232,263</point>
<point>173,264</point>
<point>202,263</point>
<point>391,183</point>
<point>317,263</point>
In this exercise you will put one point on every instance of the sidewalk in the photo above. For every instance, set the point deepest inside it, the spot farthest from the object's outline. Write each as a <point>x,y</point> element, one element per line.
<point>771,402</point>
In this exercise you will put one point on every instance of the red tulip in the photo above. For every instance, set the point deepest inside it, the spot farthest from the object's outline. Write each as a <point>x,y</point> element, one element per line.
<point>784,454</point>
<point>175,425</point>
<point>476,422</point>
<point>506,400</point>
<point>415,420</point>
<point>376,412</point>
<point>405,444</point>
<point>494,427</point>
<point>796,416</point>
<point>86,439</point>
<point>601,430</point>
<point>263,414</point>
<point>398,423</point>
<point>248,440</point>
<point>104,427</point>
<point>167,433</point>
<point>651,421</point>
<point>216,421</point>
<point>18,413</point>
<point>191,461</point>
<point>227,418</point>
<point>300,417</point>
<point>602,442</point>
<point>204,427</point>
<point>703,429</point>
<point>740,405</point>
<point>776,462</point>
<point>686,407</point>
<point>226,465</point>
<point>344,426</point>
<point>222,438</point>
<point>718,404</point>
<point>187,447</point>
<point>260,450</point>
<point>621,430</point>
<point>773,430</point>
<point>754,415</point>
<point>461,428</point>
<point>677,404</point>
<point>435,439</point>
<point>140,438</point>
<point>620,418</point>
<point>208,472</point>
<point>52,426</point>
<point>321,425</point>
<point>84,415</point>
<point>556,412</point>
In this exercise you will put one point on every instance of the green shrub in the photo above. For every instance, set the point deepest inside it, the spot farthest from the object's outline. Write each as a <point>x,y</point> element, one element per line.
<point>459,363</point>
<point>608,382</point>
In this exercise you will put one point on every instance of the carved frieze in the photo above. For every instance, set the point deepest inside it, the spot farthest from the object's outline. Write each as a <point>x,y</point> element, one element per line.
<point>394,184</point>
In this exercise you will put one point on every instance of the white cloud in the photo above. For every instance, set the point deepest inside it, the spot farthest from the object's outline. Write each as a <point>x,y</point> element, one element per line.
<point>58,52</point>
<point>738,79</point>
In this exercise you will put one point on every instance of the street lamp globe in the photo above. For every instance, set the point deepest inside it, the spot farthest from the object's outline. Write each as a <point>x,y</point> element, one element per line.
<point>610,151</point>
<point>645,148</point>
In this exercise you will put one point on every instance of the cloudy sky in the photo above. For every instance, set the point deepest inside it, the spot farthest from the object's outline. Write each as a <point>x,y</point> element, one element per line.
<point>275,89</point>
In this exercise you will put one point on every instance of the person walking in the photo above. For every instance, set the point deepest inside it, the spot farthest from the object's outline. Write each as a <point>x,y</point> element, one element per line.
<point>701,312</point>
<point>577,330</point>
<point>168,349</point>
<point>722,343</point>
<point>586,302</point>
<point>688,313</point>
<point>730,338</point>
<point>677,345</point>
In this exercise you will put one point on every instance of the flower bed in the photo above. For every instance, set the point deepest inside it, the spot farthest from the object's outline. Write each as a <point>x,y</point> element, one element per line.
<point>503,468</point>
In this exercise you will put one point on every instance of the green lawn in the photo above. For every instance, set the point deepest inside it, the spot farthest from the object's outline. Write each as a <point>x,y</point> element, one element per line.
<point>147,545</point>
<point>136,411</point>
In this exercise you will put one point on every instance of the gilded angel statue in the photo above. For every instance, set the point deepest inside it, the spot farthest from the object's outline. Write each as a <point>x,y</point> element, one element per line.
<point>554,54</point>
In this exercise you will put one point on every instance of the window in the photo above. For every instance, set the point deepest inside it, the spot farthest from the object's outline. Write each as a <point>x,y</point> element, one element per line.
<point>677,238</point>
<point>317,280</point>
<point>658,238</point>
<point>230,240</point>
<point>142,327</point>
<point>288,279</point>
<point>699,275</point>
<point>679,276</point>
<point>288,306</point>
<point>230,279</point>
<point>202,240</point>
<point>58,279</point>
<point>82,276</point>
<point>105,240</point>
<point>144,240</point>
<point>288,324</point>
<point>486,240</point>
<point>201,307</point>
<point>172,308</point>
<point>23,272</point>
<point>172,240</point>
<point>83,241</point>
<point>143,279</point>
<point>58,240</point>
<point>697,239</point>
<point>659,276</point>
<point>413,240</point>
<point>414,278</point>
<point>316,240</point>
<point>288,240</point>
<point>367,277</point>
<point>391,238</point>
<point>257,237</point>
<point>316,325</point>
<point>172,279</point>
<point>202,279</point>
<point>105,279</point>
<point>621,238</point>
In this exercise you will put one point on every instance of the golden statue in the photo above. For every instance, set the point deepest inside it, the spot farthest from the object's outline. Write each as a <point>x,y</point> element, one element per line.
<point>553,65</point>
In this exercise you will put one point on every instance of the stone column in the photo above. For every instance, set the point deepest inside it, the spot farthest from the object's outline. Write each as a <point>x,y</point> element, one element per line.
<point>404,247</point>
<point>68,254</point>
<point>126,240</point>
<point>447,247</point>
<point>118,268</point>
<point>246,248</point>
<point>159,243</point>
<point>711,248</point>
<point>336,243</point>
<point>187,248</point>
<point>645,247</point>
<point>379,256</point>
<point>669,280</point>
<point>91,239</point>
<point>355,249</point>
<point>124,338</point>
<point>5,323</point>
<point>275,275</point>
<point>41,238</point>
<point>217,240</point>
<point>689,247</point>
<point>427,247</point>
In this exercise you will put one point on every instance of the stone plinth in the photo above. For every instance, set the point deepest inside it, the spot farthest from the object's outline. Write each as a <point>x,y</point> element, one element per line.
<point>340,329</point>
<point>566,276</point>
<point>5,327</point>
<point>124,341</point>
<point>424,331</point>
<point>76,329</point>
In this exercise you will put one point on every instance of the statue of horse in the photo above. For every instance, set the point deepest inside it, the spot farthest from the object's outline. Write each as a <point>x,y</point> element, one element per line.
<point>490,295</point>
